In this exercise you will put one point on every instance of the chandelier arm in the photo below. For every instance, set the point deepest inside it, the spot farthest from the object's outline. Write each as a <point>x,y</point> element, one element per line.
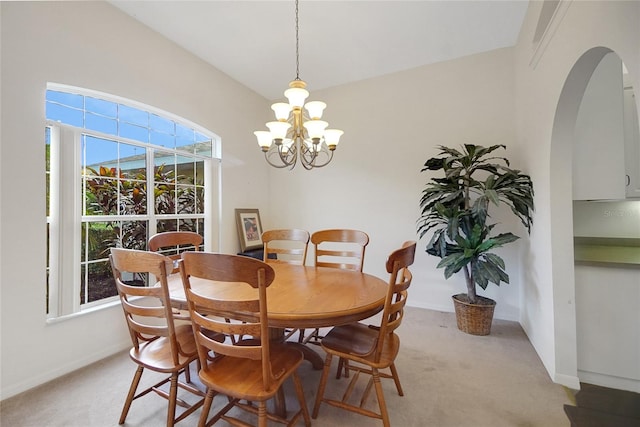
<point>279,166</point>
<point>321,165</point>
<point>290,157</point>
<point>309,157</point>
<point>287,160</point>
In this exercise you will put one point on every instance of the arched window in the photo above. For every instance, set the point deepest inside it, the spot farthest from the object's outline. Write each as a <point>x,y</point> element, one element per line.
<point>118,172</point>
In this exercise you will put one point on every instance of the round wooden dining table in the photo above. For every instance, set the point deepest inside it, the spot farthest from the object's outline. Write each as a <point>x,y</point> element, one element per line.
<point>301,297</point>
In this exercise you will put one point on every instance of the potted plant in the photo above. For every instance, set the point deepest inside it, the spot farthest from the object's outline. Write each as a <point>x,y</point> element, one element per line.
<point>455,207</point>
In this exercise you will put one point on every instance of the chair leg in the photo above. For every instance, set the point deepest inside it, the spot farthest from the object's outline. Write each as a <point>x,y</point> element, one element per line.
<point>343,364</point>
<point>396,379</point>
<point>132,392</point>
<point>173,394</point>
<point>187,373</point>
<point>262,413</point>
<point>380,396</point>
<point>339,370</point>
<point>301,399</point>
<point>208,400</point>
<point>321,387</point>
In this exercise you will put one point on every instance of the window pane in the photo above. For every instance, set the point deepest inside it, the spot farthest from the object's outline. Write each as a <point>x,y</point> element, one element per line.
<point>191,224</point>
<point>69,99</point>
<point>161,124</point>
<point>101,124</point>
<point>100,236</point>
<point>47,291</point>
<point>199,200</point>
<point>48,269</point>
<point>100,106</point>
<point>134,132</point>
<point>164,167</point>
<point>133,161</point>
<point>186,145</point>
<point>98,152</point>
<point>202,138</point>
<point>186,199</point>
<point>133,197</point>
<point>162,139</point>
<point>165,198</point>
<point>204,148</point>
<point>47,141</point>
<point>100,169</point>
<point>133,115</point>
<point>167,225</point>
<point>64,114</point>
<point>199,177</point>
<point>185,133</point>
<point>185,169</point>
<point>133,235</point>
<point>97,282</point>
<point>101,195</point>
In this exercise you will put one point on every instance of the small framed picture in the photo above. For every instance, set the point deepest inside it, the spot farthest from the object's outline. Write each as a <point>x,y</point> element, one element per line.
<point>249,229</point>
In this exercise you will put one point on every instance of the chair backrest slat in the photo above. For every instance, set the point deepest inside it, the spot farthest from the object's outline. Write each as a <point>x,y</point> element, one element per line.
<point>340,248</point>
<point>289,245</point>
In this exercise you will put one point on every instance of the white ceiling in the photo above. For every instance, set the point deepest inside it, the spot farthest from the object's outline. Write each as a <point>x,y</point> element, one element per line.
<point>340,41</point>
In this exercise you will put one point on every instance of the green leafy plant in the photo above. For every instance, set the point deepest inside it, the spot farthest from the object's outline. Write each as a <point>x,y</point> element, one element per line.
<point>455,207</point>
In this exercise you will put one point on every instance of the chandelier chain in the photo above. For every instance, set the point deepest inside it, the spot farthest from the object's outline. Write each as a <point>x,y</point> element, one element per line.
<point>297,46</point>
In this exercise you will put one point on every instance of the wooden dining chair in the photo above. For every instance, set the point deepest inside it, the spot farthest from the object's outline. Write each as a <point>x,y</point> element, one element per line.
<point>158,343</point>
<point>366,348</point>
<point>253,370</point>
<point>336,248</point>
<point>288,245</point>
<point>340,248</point>
<point>172,243</point>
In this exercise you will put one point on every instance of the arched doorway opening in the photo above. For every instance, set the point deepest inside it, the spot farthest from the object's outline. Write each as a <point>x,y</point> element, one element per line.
<point>569,337</point>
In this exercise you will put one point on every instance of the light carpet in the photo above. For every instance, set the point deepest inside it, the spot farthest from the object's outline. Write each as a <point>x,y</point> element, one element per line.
<point>449,379</point>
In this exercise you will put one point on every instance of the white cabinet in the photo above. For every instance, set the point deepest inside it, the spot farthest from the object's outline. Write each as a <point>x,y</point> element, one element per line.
<point>631,144</point>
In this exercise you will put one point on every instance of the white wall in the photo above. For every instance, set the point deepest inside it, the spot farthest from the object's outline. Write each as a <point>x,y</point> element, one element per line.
<point>94,45</point>
<point>392,125</point>
<point>546,114</point>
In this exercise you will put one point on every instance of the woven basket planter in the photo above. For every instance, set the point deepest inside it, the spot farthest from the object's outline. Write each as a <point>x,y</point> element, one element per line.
<point>474,319</point>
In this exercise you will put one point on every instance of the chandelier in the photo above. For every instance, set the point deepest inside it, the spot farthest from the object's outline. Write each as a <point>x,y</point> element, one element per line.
<point>298,132</point>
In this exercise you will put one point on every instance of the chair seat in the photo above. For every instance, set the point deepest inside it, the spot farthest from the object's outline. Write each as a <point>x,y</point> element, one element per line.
<point>156,354</point>
<point>357,342</point>
<point>242,378</point>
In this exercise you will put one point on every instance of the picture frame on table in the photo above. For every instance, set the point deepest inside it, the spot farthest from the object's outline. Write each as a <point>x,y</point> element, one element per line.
<point>249,229</point>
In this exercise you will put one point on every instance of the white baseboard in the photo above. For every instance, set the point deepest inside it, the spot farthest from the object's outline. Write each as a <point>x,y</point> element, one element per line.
<point>610,381</point>
<point>569,381</point>
<point>58,371</point>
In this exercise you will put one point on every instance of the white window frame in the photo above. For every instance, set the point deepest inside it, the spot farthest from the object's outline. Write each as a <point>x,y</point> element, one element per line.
<point>66,214</point>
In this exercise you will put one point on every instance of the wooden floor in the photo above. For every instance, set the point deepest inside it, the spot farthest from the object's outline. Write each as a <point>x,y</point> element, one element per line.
<point>604,407</point>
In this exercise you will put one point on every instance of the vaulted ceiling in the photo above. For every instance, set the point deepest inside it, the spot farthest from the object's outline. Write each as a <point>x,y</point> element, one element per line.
<point>339,41</point>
